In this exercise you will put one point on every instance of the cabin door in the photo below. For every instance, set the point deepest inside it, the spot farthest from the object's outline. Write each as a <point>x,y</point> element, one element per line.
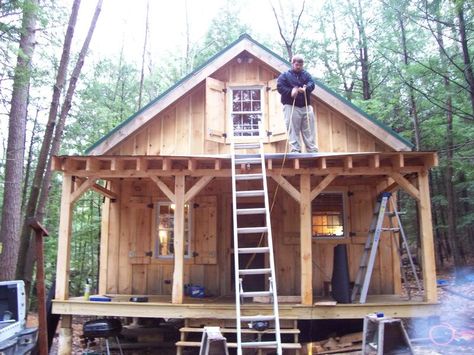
<point>252,261</point>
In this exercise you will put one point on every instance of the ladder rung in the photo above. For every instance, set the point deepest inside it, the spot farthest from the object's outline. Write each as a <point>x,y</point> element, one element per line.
<point>243,211</point>
<point>255,250</point>
<point>255,271</point>
<point>256,318</point>
<point>248,161</point>
<point>251,193</point>
<point>256,293</point>
<point>246,145</point>
<point>259,344</point>
<point>248,177</point>
<point>250,230</point>
<point>391,229</point>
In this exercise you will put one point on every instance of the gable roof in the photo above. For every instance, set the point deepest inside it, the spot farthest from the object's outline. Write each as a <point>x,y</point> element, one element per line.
<point>247,43</point>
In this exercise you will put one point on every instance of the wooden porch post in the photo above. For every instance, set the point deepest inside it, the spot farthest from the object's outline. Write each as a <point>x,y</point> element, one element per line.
<point>65,336</point>
<point>64,241</point>
<point>427,243</point>
<point>178,274</point>
<point>306,255</point>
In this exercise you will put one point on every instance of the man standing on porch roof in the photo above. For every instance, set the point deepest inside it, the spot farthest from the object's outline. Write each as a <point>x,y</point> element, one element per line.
<point>295,87</point>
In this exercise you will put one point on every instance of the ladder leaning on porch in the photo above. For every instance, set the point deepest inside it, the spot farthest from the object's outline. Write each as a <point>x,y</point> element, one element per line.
<point>253,168</point>
<point>367,261</point>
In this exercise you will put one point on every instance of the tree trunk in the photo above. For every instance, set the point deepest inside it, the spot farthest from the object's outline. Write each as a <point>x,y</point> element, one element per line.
<point>28,163</point>
<point>46,144</point>
<point>60,126</point>
<point>413,108</point>
<point>142,73</point>
<point>11,212</point>
<point>465,52</point>
<point>449,171</point>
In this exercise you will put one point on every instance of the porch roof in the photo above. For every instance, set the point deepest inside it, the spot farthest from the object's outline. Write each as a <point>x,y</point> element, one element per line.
<point>361,163</point>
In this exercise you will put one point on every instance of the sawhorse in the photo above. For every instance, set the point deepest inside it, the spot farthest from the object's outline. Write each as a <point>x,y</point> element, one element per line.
<point>213,342</point>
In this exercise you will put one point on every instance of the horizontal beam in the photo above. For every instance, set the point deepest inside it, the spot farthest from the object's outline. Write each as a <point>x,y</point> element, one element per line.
<point>155,309</point>
<point>226,172</point>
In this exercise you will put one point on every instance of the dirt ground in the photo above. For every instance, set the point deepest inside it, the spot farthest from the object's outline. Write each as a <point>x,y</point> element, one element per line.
<point>450,333</point>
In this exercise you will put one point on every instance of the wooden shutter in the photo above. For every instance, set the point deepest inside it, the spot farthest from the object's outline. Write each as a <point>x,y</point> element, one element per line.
<point>215,110</point>
<point>205,230</point>
<point>138,224</point>
<point>276,122</point>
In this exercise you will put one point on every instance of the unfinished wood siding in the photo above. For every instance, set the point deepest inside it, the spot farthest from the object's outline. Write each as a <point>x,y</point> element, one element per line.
<point>182,129</point>
<point>131,234</point>
<point>130,267</point>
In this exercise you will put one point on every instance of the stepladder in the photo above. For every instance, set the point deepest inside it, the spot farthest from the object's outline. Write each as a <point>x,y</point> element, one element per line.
<point>254,265</point>
<point>385,207</point>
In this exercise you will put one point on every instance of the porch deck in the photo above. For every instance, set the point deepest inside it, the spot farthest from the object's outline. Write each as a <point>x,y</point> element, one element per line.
<point>224,308</point>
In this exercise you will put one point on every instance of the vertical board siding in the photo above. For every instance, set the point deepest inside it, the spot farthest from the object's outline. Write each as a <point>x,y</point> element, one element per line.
<point>131,234</point>
<point>180,128</point>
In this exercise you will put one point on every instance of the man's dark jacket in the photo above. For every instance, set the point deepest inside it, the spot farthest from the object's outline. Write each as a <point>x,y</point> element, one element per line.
<point>289,80</point>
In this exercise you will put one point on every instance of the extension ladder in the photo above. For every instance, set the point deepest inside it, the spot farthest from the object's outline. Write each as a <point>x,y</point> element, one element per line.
<point>367,260</point>
<point>251,167</point>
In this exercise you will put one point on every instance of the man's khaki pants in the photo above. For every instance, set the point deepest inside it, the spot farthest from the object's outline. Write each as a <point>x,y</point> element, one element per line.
<point>301,122</point>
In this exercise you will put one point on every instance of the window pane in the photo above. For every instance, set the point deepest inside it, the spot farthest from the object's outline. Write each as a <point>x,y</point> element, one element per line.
<point>256,106</point>
<point>246,106</point>
<point>255,95</point>
<point>328,215</point>
<point>164,242</point>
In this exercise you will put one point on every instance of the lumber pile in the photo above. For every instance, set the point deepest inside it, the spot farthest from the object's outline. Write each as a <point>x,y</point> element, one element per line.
<point>337,345</point>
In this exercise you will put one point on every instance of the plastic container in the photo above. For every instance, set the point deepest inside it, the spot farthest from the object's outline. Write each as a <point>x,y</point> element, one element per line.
<point>196,291</point>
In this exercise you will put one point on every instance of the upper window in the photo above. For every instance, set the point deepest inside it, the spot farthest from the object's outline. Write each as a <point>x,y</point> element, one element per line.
<point>328,216</point>
<point>246,112</point>
<point>164,239</point>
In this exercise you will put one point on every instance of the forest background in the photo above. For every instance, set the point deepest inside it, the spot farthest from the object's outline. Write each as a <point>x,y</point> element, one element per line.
<point>70,72</point>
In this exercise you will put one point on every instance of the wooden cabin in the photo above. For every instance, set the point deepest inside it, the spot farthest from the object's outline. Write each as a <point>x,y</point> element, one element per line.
<point>165,174</point>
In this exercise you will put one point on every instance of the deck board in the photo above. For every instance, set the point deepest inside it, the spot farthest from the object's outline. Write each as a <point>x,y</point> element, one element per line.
<point>224,308</point>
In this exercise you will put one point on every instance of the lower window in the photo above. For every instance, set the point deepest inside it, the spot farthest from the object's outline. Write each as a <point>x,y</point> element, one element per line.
<point>164,234</point>
<point>328,216</point>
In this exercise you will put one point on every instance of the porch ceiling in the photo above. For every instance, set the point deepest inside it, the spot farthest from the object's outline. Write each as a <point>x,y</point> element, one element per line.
<point>350,164</point>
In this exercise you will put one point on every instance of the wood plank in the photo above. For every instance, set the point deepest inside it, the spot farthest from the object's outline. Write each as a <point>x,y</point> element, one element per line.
<point>154,137</point>
<point>338,131</point>
<point>85,186</point>
<point>164,188</point>
<point>124,267</point>
<point>178,274</point>
<point>104,245</point>
<point>205,230</point>
<point>322,185</point>
<point>427,244</point>
<point>197,187</point>
<point>104,191</point>
<point>324,129</point>
<point>64,241</point>
<point>287,186</point>
<point>168,142</point>
<point>197,119</point>
<point>306,238</point>
<point>113,251</point>
<point>406,185</point>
